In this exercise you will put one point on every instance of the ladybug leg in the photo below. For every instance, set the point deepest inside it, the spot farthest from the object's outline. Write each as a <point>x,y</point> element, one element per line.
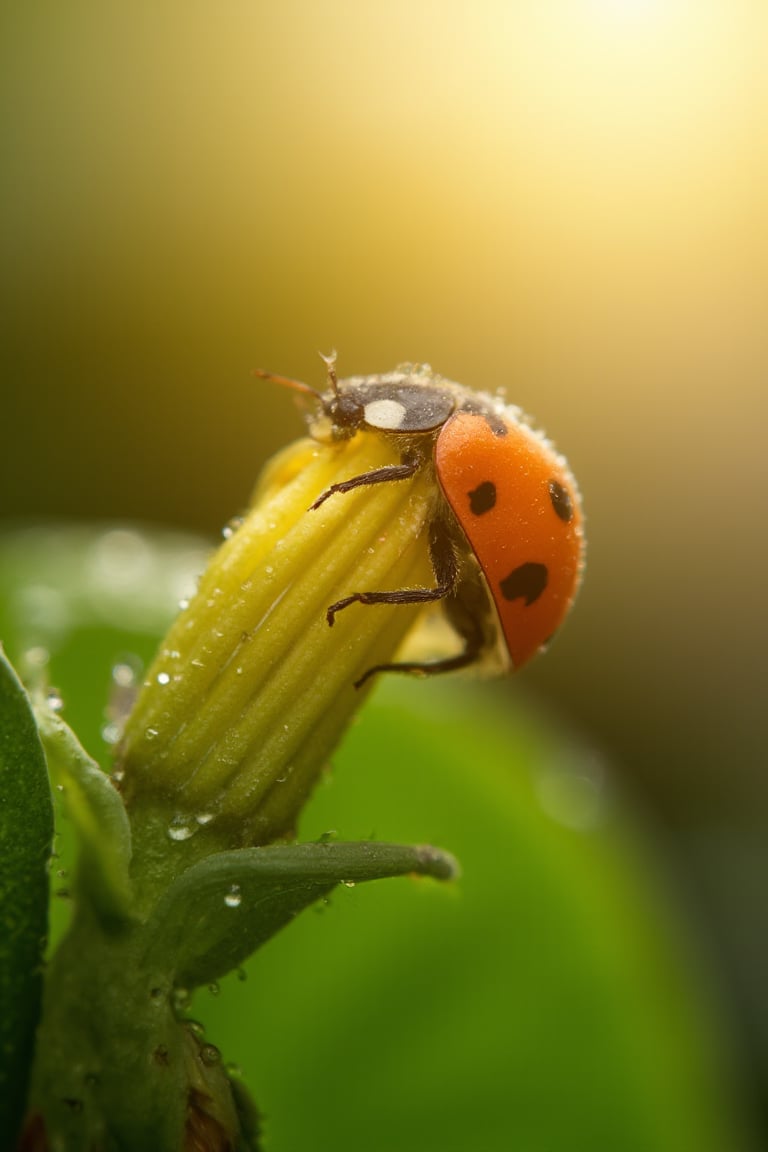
<point>424,668</point>
<point>402,471</point>
<point>444,564</point>
<point>467,626</point>
<point>464,620</point>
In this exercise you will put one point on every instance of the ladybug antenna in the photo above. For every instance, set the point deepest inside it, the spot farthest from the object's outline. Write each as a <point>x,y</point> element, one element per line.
<point>287,382</point>
<point>330,364</point>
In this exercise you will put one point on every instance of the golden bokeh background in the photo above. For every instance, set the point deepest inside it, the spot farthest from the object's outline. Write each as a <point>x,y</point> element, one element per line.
<point>567,198</point>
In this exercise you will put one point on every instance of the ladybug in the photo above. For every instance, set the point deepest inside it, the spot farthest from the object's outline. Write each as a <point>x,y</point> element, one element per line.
<point>506,542</point>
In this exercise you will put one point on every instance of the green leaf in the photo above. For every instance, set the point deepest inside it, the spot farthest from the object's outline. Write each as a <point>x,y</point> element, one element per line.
<point>550,1002</point>
<point>224,908</point>
<point>97,811</point>
<point>26,833</point>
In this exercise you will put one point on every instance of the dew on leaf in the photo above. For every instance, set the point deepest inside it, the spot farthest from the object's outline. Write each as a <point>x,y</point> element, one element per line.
<point>182,998</point>
<point>233,898</point>
<point>180,828</point>
<point>53,699</point>
<point>210,1055</point>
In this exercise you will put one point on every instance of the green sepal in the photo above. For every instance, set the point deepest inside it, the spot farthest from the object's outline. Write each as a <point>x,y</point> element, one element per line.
<point>26,834</point>
<point>98,814</point>
<point>222,909</point>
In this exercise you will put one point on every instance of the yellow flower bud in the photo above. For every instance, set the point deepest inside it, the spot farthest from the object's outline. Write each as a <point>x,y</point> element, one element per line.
<point>251,689</point>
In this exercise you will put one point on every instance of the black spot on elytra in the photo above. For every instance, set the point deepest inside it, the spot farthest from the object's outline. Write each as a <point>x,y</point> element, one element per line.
<point>561,501</point>
<point>496,425</point>
<point>482,498</point>
<point>476,407</point>
<point>528,581</point>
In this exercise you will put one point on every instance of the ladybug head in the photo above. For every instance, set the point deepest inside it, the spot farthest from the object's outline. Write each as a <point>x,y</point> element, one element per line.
<point>341,408</point>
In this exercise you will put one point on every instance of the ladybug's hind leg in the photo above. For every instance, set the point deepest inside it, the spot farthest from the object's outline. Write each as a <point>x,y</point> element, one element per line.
<point>445,564</point>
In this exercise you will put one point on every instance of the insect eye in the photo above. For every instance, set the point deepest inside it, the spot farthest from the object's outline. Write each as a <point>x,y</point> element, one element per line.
<point>346,412</point>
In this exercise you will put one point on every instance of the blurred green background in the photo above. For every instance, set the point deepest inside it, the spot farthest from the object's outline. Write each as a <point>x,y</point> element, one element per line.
<point>553,997</point>
<point>566,198</point>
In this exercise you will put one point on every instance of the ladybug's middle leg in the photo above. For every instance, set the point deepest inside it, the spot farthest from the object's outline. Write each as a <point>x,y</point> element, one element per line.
<point>442,553</point>
<point>463,617</point>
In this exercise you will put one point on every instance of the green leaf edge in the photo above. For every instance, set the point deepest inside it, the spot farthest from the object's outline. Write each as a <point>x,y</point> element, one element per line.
<point>98,814</point>
<point>26,837</point>
<point>195,935</point>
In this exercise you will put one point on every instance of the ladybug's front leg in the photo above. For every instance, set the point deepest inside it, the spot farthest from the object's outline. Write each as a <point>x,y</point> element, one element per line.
<point>403,471</point>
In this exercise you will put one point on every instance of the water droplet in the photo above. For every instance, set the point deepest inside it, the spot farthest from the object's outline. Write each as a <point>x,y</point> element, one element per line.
<point>213,988</point>
<point>183,604</point>
<point>111,733</point>
<point>269,570</point>
<point>209,1054</point>
<point>163,678</point>
<point>196,1028</point>
<point>239,670</point>
<point>118,775</point>
<point>196,663</point>
<point>233,897</point>
<point>53,700</point>
<point>124,674</point>
<point>349,883</point>
<point>182,999</point>
<point>204,818</point>
<point>62,873</point>
<point>180,828</point>
<point>231,527</point>
<point>151,733</point>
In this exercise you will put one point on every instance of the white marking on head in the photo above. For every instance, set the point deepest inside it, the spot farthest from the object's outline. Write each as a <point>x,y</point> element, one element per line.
<point>385,414</point>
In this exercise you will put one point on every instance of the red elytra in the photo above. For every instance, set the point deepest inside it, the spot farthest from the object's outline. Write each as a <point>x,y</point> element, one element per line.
<point>515,501</point>
<point>510,502</point>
